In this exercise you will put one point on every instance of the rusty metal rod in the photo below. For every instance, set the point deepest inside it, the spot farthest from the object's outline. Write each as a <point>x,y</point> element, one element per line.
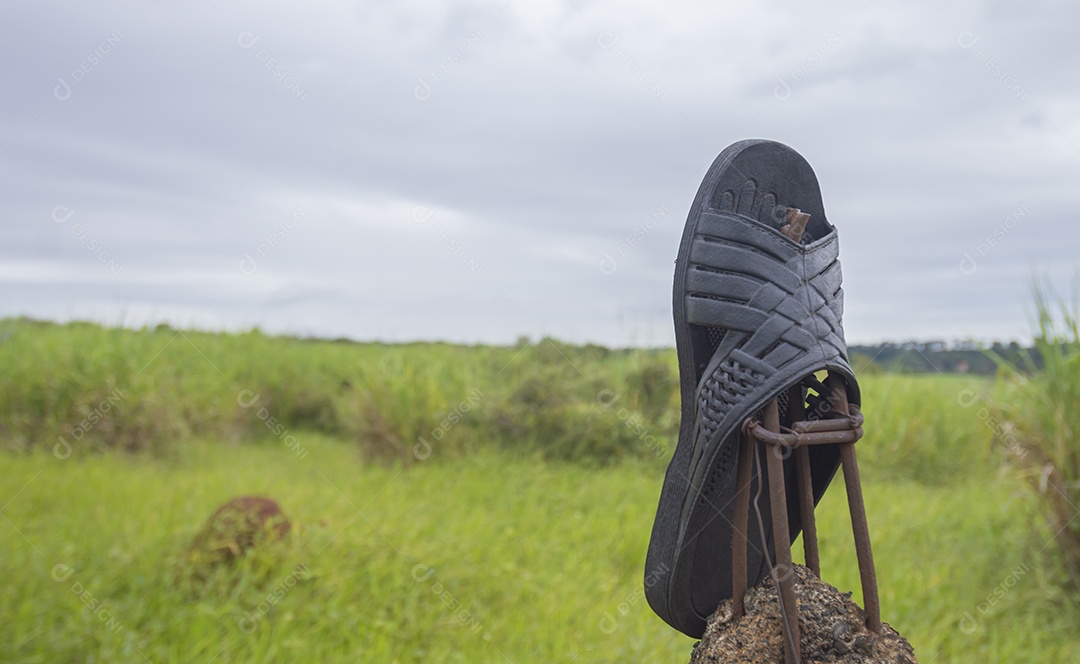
<point>816,426</point>
<point>747,449</point>
<point>782,565</point>
<point>838,424</point>
<point>859,526</point>
<point>763,434</point>
<point>796,408</point>
<point>806,508</point>
<point>843,430</point>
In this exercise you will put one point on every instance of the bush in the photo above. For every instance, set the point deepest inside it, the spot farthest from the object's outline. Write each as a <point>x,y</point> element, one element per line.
<point>409,407</point>
<point>1041,410</point>
<point>586,404</point>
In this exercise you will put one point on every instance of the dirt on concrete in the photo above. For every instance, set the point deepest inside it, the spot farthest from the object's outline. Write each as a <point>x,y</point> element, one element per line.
<point>831,629</point>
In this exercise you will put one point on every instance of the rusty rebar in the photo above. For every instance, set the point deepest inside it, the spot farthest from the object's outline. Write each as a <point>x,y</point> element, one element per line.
<point>859,527</point>
<point>796,411</point>
<point>792,440</point>
<point>843,428</point>
<point>782,565</point>
<point>747,449</point>
<point>836,424</point>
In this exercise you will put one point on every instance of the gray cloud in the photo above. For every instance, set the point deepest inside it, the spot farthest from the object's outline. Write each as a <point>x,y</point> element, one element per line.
<point>464,168</point>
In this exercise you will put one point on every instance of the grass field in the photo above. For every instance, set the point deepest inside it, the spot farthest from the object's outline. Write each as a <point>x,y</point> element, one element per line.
<point>492,548</point>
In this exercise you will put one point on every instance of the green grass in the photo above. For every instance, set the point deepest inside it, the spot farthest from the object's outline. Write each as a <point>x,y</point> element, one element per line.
<point>530,509</point>
<point>918,428</point>
<point>546,557</point>
<point>962,569</point>
<point>82,388</point>
<point>535,551</point>
<point>1041,419</point>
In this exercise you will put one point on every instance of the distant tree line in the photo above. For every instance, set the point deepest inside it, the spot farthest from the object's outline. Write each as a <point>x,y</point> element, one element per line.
<point>940,357</point>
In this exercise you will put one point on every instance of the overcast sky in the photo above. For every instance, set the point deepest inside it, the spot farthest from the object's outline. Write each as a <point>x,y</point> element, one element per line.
<point>475,171</point>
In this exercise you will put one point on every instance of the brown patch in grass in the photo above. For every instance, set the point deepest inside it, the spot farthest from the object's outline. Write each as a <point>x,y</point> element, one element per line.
<point>237,527</point>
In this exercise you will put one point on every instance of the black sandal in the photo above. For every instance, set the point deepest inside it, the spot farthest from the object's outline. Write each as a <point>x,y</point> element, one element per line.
<point>758,307</point>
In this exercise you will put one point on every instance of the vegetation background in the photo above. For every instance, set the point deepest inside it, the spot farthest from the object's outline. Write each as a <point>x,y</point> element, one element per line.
<point>481,504</point>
